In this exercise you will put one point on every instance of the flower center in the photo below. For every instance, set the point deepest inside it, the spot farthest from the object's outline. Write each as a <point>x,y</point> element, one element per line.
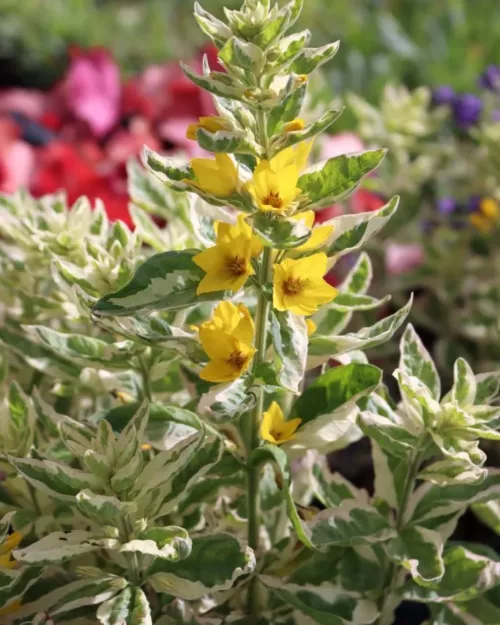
<point>236,265</point>
<point>292,286</point>
<point>274,200</point>
<point>237,359</point>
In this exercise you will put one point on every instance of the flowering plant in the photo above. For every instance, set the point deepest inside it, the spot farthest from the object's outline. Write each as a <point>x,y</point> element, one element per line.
<point>169,395</point>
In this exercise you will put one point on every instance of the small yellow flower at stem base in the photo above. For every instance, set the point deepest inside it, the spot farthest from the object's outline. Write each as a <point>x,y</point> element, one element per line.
<point>6,548</point>
<point>294,125</point>
<point>319,236</point>
<point>311,327</point>
<point>227,264</point>
<point>227,339</point>
<point>272,190</point>
<point>274,429</point>
<point>211,124</point>
<point>299,285</point>
<point>217,177</point>
<point>11,608</point>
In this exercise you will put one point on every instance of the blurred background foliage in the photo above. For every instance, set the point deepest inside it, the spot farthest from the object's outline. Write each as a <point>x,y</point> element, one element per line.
<point>414,42</point>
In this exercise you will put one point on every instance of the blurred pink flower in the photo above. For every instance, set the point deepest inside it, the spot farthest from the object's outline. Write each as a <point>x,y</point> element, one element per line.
<point>403,257</point>
<point>93,90</point>
<point>17,158</point>
<point>29,102</point>
<point>342,143</point>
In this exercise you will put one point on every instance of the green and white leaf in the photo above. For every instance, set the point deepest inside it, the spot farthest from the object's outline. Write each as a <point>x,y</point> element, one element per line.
<point>280,233</point>
<point>215,563</point>
<point>331,181</point>
<point>416,361</point>
<point>289,334</point>
<point>130,607</point>
<point>419,550</point>
<point>312,58</point>
<point>58,547</point>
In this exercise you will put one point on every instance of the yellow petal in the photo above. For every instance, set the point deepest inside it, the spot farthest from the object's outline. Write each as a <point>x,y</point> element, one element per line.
<point>490,208</point>
<point>311,266</point>
<point>306,217</point>
<point>217,344</point>
<point>219,372</point>
<point>293,126</point>
<point>11,542</point>
<point>211,259</point>
<point>318,238</point>
<point>481,222</point>
<point>311,327</point>
<point>244,331</point>
<point>302,152</point>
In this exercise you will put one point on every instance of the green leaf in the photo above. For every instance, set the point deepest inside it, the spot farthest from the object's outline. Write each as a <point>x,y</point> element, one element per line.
<point>167,169</point>
<point>466,576</point>
<point>390,476</point>
<point>334,180</point>
<point>58,480</point>
<point>322,348</point>
<point>349,524</point>
<point>288,49</point>
<point>288,110</point>
<point>464,383</point>
<point>13,588</point>
<point>335,388</point>
<point>298,136</point>
<point>278,232</point>
<point>166,281</point>
<point>489,513</point>
<point>312,58</point>
<point>478,610</point>
<point>130,607</point>
<point>171,542</point>
<point>217,83</point>
<point>211,26</point>
<point>215,562</point>
<point>439,507</point>
<point>84,350</point>
<point>242,54</point>
<point>392,437</point>
<point>101,508</point>
<point>289,333</point>
<point>420,551</point>
<point>271,454</point>
<point>352,231</point>
<point>326,604</point>
<point>488,387</point>
<point>58,547</point>
<point>417,362</point>
<point>328,408</point>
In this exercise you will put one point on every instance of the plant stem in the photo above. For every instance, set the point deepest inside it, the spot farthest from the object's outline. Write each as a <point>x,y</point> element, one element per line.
<point>253,441</point>
<point>386,610</point>
<point>146,382</point>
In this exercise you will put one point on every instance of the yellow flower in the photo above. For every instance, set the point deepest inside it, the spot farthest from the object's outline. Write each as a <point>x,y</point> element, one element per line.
<point>274,183</point>
<point>488,215</point>
<point>293,126</point>
<point>274,429</point>
<point>244,228</point>
<point>228,342</point>
<point>217,177</point>
<point>230,318</point>
<point>6,550</point>
<point>299,285</point>
<point>211,124</point>
<point>311,327</point>
<point>11,608</point>
<point>227,264</point>
<point>319,236</point>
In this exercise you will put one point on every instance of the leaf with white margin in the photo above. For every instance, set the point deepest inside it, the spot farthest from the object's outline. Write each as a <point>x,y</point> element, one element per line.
<point>467,575</point>
<point>312,58</point>
<point>226,402</point>
<point>85,350</point>
<point>478,611</point>
<point>58,480</point>
<point>289,333</point>
<point>419,550</point>
<point>171,542</point>
<point>352,231</point>
<point>58,547</point>
<point>489,513</point>
<point>322,348</point>
<point>161,501</point>
<point>488,387</point>
<point>349,524</point>
<point>453,470</point>
<point>417,361</point>
<point>330,181</point>
<point>215,563</point>
<point>392,437</point>
<point>102,508</point>
<point>130,607</point>
<point>14,583</point>
<point>328,408</point>
<point>166,281</point>
<point>439,507</point>
<point>464,383</point>
<point>277,458</point>
<point>80,594</point>
<point>326,604</point>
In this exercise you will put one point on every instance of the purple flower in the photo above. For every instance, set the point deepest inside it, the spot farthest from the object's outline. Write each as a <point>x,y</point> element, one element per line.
<point>467,109</point>
<point>473,203</point>
<point>446,205</point>
<point>490,78</point>
<point>443,96</point>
